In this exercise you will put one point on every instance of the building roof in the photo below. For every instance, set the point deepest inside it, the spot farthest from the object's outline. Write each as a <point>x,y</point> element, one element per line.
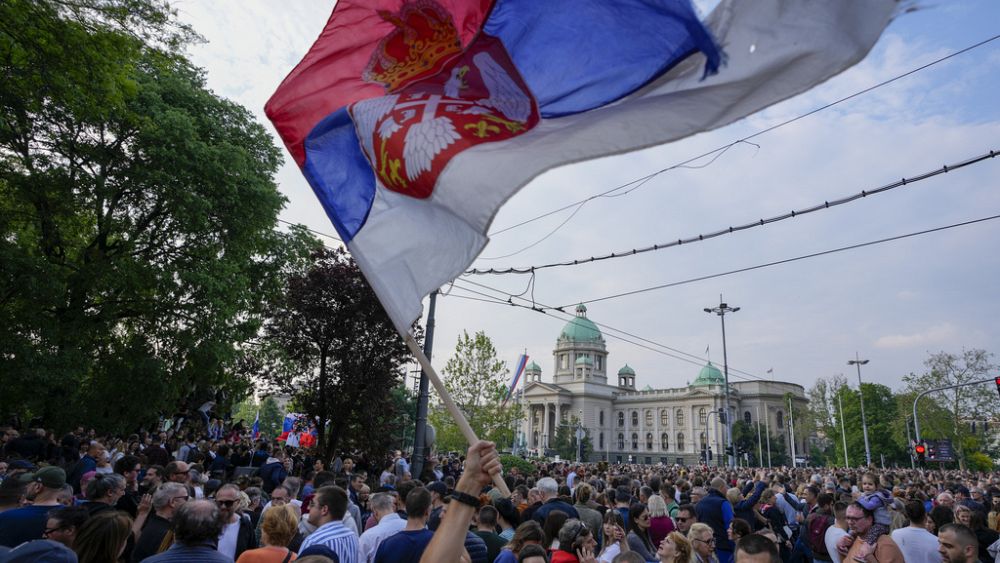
<point>533,367</point>
<point>626,370</point>
<point>584,361</point>
<point>580,328</point>
<point>709,375</point>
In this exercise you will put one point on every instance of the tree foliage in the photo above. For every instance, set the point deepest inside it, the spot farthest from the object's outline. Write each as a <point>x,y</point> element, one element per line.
<point>332,346</point>
<point>477,382</point>
<point>137,214</point>
<point>566,444</point>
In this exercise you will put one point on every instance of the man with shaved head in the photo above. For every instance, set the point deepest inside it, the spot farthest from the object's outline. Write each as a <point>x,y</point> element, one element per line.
<point>715,511</point>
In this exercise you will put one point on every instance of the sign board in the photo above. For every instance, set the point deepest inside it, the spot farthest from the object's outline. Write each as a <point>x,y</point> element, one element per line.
<point>940,450</point>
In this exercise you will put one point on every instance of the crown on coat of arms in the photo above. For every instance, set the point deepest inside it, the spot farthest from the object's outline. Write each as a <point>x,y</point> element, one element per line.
<point>424,39</point>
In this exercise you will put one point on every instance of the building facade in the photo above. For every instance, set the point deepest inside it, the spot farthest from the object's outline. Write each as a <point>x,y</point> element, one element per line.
<point>674,425</point>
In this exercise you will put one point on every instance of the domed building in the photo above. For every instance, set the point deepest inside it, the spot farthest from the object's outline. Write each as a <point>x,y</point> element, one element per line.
<point>673,425</point>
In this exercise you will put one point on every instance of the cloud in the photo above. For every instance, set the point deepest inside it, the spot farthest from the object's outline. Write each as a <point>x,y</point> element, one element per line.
<point>933,336</point>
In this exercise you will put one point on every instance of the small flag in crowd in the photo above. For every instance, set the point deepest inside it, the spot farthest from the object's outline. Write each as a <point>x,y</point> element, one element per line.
<point>521,362</point>
<point>256,426</point>
<point>414,121</point>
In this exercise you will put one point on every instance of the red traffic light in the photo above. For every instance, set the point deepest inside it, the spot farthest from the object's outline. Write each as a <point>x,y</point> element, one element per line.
<point>920,449</point>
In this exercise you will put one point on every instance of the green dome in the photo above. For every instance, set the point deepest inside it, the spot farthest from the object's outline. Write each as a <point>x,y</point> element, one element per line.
<point>626,371</point>
<point>581,329</point>
<point>533,367</point>
<point>709,375</point>
<point>584,361</point>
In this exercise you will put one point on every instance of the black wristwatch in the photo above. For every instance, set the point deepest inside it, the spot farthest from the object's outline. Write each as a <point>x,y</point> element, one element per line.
<point>465,499</point>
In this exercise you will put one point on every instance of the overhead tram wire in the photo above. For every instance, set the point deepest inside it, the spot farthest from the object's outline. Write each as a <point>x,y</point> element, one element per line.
<point>727,146</point>
<point>753,224</point>
<point>697,360</point>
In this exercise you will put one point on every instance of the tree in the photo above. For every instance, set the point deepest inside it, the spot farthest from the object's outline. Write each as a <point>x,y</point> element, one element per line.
<point>137,215</point>
<point>271,417</point>
<point>477,382</point>
<point>333,347</point>
<point>949,413</point>
<point>566,444</point>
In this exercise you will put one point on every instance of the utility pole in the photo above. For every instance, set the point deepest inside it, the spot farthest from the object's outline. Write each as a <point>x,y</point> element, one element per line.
<point>843,429</point>
<point>721,310</point>
<point>791,430</point>
<point>861,396</point>
<point>422,398</point>
<point>760,448</point>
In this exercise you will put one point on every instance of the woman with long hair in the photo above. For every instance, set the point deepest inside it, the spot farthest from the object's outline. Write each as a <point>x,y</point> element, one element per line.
<point>528,533</point>
<point>615,541</point>
<point>638,532</point>
<point>675,548</point>
<point>278,527</point>
<point>102,538</point>
<point>576,543</point>
<point>553,523</point>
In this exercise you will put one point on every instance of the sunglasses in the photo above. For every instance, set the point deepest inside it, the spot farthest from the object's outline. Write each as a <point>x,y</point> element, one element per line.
<point>710,541</point>
<point>226,503</point>
<point>682,519</point>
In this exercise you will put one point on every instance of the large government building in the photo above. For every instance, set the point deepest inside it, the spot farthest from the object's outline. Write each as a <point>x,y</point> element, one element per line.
<point>673,425</point>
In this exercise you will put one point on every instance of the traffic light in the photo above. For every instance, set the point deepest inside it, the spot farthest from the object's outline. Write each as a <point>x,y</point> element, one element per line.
<point>921,451</point>
<point>997,381</point>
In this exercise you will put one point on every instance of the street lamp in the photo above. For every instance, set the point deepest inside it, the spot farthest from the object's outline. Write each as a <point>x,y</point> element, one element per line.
<point>721,310</point>
<point>864,422</point>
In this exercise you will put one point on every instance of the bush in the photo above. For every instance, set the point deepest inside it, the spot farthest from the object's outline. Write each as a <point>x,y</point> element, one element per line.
<point>509,461</point>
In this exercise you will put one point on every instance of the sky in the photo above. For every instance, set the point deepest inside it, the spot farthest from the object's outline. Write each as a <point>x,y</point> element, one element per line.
<point>893,303</point>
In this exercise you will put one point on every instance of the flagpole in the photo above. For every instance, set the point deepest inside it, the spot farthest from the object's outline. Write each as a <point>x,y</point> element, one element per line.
<point>767,432</point>
<point>420,424</point>
<point>449,403</point>
<point>760,448</point>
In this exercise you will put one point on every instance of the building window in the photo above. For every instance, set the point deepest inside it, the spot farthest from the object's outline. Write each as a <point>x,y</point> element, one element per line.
<point>649,418</point>
<point>600,441</point>
<point>563,361</point>
<point>597,363</point>
<point>680,417</point>
<point>680,441</point>
<point>702,416</point>
<point>600,416</point>
<point>621,419</point>
<point>664,441</point>
<point>635,441</point>
<point>621,441</point>
<point>649,441</point>
<point>746,417</point>
<point>664,418</point>
<point>780,419</point>
<point>635,418</point>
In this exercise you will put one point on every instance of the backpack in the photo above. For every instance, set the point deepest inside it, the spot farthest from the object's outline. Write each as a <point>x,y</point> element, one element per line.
<point>816,534</point>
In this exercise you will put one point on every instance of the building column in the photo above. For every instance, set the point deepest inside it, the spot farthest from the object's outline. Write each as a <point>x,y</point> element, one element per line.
<point>530,426</point>
<point>545,429</point>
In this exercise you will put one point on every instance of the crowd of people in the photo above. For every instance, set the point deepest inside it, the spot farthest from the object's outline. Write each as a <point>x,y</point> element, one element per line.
<point>211,493</point>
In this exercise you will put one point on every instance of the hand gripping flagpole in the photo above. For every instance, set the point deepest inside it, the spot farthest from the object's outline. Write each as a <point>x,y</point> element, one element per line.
<point>463,425</point>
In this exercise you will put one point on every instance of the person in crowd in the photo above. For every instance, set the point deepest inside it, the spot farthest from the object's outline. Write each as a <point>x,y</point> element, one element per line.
<point>28,522</point>
<point>533,502</point>
<point>179,472</point>
<point>129,466</point>
<point>686,517</point>
<point>527,533</point>
<point>326,513</point>
<point>486,529</point>
<point>13,494</point>
<point>576,543</point>
<point>984,536</point>
<point>837,531</point>
<point>279,526</point>
<point>156,535</point>
<point>103,492</point>
<point>407,546</point>
<point>63,523</point>
<point>702,539</point>
<point>860,520</point>
<point>738,528</point>
<point>533,554</point>
<point>615,538</point>
<point>716,511</point>
<point>755,548</point>
<point>660,523</point>
<point>588,515</point>
<point>553,523</point>
<point>196,527</point>
<point>675,548</point>
<point>957,544</point>
<point>963,514</point>
<point>508,518</point>
<point>938,517</point>
<point>815,525</point>
<point>914,541</point>
<point>744,501</point>
<point>86,464</point>
<point>638,532</point>
<point>549,489</point>
<point>387,521</point>
<point>237,533</point>
<point>102,537</point>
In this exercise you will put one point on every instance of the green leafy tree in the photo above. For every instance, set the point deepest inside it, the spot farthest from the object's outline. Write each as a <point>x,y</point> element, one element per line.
<point>334,349</point>
<point>137,212</point>
<point>949,413</point>
<point>271,417</point>
<point>566,443</point>
<point>477,382</point>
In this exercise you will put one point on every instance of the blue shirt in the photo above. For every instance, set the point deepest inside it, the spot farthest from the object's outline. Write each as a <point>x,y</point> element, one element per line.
<point>338,538</point>
<point>23,524</point>
<point>204,553</point>
<point>404,547</point>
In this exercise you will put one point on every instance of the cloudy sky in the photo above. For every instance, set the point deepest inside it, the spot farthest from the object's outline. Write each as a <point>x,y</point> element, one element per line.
<point>892,303</point>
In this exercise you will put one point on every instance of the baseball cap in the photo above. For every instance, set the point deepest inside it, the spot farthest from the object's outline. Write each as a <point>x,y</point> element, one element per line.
<point>49,477</point>
<point>39,551</point>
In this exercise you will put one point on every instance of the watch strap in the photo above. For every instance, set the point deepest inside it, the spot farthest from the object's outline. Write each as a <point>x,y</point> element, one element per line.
<point>465,498</point>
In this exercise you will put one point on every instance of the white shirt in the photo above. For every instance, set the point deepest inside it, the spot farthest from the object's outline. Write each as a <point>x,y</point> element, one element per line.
<point>610,553</point>
<point>227,540</point>
<point>917,544</point>
<point>388,525</point>
<point>833,535</point>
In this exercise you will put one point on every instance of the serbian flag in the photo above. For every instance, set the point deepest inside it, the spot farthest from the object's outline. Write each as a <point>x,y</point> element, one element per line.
<point>521,362</point>
<point>256,426</point>
<point>415,120</point>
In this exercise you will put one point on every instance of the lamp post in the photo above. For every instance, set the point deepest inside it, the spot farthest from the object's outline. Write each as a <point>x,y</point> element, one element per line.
<point>721,310</point>
<point>864,422</point>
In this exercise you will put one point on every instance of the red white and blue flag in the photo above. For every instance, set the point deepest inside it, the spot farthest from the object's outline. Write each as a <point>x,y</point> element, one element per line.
<point>256,426</point>
<point>415,120</point>
<point>521,362</point>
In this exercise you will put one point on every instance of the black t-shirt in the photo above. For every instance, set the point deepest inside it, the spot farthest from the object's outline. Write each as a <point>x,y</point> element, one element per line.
<point>494,544</point>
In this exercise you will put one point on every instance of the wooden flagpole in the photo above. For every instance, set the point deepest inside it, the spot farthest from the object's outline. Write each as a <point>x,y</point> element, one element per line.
<point>463,425</point>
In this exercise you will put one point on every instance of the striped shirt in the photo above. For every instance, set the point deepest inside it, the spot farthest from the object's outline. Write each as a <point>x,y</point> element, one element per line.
<point>338,538</point>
